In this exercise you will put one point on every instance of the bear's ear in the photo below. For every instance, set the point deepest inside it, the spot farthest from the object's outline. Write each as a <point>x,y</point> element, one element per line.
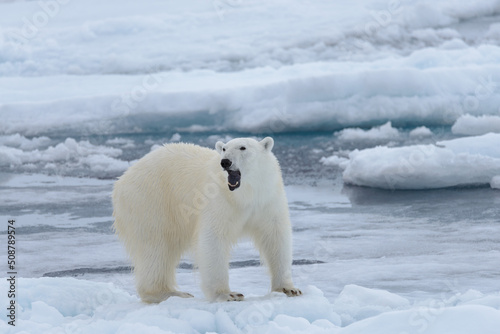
<point>267,143</point>
<point>218,146</point>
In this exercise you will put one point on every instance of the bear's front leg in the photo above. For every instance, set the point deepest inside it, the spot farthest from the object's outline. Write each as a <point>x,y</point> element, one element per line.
<point>214,250</point>
<point>274,241</point>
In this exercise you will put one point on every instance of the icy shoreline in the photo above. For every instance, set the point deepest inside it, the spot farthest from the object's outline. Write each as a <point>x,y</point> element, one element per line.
<point>208,67</point>
<point>303,97</point>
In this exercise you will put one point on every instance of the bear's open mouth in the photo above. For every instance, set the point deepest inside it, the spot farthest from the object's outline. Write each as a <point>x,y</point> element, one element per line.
<point>233,179</point>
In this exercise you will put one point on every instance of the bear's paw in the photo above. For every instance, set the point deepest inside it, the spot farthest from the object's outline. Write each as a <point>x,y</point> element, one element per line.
<point>293,292</point>
<point>230,297</point>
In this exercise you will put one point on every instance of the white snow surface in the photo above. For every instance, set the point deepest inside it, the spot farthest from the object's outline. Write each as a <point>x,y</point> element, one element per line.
<point>495,182</point>
<point>420,132</point>
<point>70,70</point>
<point>260,66</point>
<point>334,160</point>
<point>36,154</point>
<point>379,134</point>
<point>68,305</point>
<point>458,162</point>
<point>476,125</point>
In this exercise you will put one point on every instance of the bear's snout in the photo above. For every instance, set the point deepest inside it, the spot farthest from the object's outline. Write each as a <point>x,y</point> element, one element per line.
<point>226,163</point>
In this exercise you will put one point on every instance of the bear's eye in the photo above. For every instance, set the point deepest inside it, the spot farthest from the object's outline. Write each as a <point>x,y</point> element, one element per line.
<point>243,148</point>
<point>223,150</point>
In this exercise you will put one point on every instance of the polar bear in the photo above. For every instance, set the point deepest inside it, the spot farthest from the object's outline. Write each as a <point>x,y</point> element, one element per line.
<point>183,197</point>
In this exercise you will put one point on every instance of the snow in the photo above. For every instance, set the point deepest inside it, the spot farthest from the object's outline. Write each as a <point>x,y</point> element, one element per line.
<point>342,64</point>
<point>257,100</point>
<point>404,257</point>
<point>175,137</point>
<point>123,142</point>
<point>420,132</point>
<point>495,182</point>
<point>357,303</point>
<point>88,87</point>
<point>21,142</point>
<point>431,320</point>
<point>334,160</point>
<point>476,125</point>
<point>225,34</point>
<point>52,304</point>
<point>16,150</point>
<point>458,162</point>
<point>68,305</point>
<point>380,134</point>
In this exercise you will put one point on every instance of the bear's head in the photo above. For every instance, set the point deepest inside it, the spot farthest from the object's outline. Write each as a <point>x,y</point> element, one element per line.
<point>242,156</point>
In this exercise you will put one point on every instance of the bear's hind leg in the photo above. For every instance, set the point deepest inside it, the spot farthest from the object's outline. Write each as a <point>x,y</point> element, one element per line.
<point>156,281</point>
<point>148,298</point>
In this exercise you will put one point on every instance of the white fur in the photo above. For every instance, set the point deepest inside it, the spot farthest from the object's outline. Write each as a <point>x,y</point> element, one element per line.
<point>176,199</point>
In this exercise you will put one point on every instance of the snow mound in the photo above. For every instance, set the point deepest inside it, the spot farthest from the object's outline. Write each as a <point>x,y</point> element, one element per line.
<point>459,162</point>
<point>494,32</point>
<point>122,142</point>
<point>420,132</point>
<point>429,320</point>
<point>23,143</point>
<point>207,66</point>
<point>379,134</point>
<point>472,125</point>
<point>27,154</point>
<point>259,100</point>
<point>334,160</point>
<point>495,182</point>
<point>357,303</point>
<point>68,305</point>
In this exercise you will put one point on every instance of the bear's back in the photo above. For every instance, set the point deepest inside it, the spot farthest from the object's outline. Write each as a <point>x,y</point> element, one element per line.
<point>162,185</point>
<point>174,170</point>
<point>172,160</point>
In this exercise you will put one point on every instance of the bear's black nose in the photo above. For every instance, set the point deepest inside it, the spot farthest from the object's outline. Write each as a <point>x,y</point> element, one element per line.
<point>226,163</point>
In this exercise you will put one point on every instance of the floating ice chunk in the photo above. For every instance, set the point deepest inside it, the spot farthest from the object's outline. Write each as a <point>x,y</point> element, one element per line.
<point>474,297</point>
<point>123,142</point>
<point>494,31</point>
<point>100,163</point>
<point>215,138</point>
<point>155,147</point>
<point>72,149</point>
<point>334,160</point>
<point>421,132</point>
<point>21,142</point>
<point>175,137</point>
<point>486,145</point>
<point>495,182</point>
<point>454,44</point>
<point>472,125</point>
<point>68,156</point>
<point>378,134</point>
<point>459,162</point>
